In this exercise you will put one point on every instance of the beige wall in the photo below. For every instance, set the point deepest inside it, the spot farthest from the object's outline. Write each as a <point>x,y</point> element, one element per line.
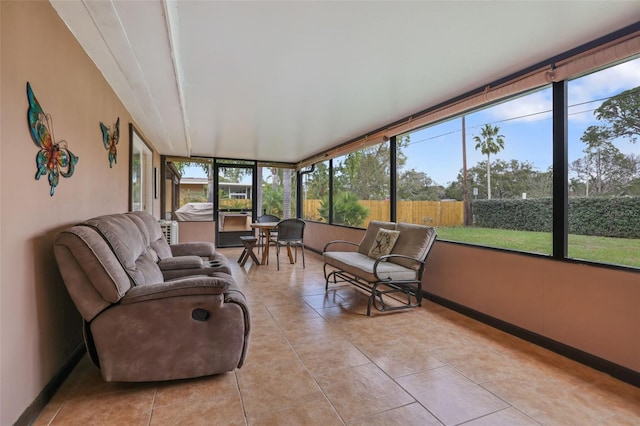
<point>197,231</point>
<point>39,325</point>
<point>594,309</point>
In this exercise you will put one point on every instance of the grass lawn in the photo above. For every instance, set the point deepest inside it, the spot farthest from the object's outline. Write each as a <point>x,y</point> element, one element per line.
<point>618,251</point>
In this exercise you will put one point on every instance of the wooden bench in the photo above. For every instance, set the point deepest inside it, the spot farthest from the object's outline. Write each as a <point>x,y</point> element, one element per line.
<point>380,266</point>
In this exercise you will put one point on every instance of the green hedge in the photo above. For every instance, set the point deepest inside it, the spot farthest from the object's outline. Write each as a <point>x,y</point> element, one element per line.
<point>606,217</point>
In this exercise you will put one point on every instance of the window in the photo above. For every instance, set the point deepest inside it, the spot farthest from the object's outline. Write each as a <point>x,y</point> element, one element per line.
<point>361,187</point>
<point>195,190</point>
<point>315,192</point>
<point>604,165</point>
<point>428,161</point>
<point>141,194</point>
<point>277,192</point>
<point>484,178</point>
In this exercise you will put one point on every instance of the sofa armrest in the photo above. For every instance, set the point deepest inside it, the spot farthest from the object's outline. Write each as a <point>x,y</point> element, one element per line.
<point>202,249</point>
<point>349,243</point>
<point>196,285</point>
<point>180,262</point>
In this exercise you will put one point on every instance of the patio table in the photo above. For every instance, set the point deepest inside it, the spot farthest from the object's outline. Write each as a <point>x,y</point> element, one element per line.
<point>267,227</point>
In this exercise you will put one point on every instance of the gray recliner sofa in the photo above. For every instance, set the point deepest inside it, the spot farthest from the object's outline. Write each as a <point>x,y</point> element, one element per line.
<point>140,325</point>
<point>182,259</point>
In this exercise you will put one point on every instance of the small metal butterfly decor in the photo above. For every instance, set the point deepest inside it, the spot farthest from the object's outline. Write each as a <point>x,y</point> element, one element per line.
<point>54,158</point>
<point>110,140</point>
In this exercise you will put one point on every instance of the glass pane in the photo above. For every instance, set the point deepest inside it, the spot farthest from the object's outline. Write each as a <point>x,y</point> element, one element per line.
<point>604,165</point>
<point>235,204</point>
<point>234,188</point>
<point>277,193</point>
<point>141,175</point>
<point>196,191</point>
<point>489,184</point>
<point>315,187</point>
<point>360,187</point>
<point>428,161</point>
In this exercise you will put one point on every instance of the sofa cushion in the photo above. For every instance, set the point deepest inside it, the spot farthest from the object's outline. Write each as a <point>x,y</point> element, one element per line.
<point>384,242</point>
<point>370,235</point>
<point>361,266</point>
<point>157,241</point>
<point>414,241</point>
<point>130,244</point>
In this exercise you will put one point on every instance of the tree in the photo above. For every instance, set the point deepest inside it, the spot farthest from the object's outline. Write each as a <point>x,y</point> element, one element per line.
<point>541,184</point>
<point>489,142</point>
<point>272,200</point>
<point>622,113</point>
<point>414,185</point>
<point>276,192</point>
<point>182,165</point>
<point>364,173</point>
<point>317,182</point>
<point>603,169</point>
<point>511,179</point>
<point>286,189</point>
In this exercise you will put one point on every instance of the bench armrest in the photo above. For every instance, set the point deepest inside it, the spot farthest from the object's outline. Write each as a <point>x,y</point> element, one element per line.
<point>339,242</point>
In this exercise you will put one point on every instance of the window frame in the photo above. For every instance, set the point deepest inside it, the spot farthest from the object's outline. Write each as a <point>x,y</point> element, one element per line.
<point>145,190</point>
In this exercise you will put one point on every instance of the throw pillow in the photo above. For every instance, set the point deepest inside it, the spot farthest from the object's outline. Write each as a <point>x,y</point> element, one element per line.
<point>383,243</point>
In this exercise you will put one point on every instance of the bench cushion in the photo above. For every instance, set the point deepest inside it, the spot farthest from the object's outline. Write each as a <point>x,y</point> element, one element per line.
<point>370,235</point>
<point>361,266</point>
<point>414,241</point>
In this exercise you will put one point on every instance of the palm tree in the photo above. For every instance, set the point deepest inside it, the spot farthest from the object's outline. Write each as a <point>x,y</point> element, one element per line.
<point>489,142</point>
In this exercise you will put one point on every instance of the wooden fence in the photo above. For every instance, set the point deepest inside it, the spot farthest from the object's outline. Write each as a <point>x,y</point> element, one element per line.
<point>432,213</point>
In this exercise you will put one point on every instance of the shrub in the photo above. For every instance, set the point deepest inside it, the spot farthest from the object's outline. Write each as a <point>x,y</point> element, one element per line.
<point>598,216</point>
<point>347,209</point>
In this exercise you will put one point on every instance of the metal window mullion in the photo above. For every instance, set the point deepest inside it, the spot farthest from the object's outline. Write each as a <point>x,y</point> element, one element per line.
<point>560,170</point>
<point>393,168</point>
<point>299,200</point>
<point>330,218</point>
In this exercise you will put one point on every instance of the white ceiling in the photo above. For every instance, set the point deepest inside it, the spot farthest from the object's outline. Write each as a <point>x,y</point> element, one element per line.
<point>282,81</point>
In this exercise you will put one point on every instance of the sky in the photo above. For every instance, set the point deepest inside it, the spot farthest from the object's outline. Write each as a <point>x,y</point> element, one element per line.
<point>525,123</point>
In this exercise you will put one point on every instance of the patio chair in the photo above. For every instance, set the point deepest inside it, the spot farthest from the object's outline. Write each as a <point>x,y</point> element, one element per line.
<point>290,234</point>
<point>261,236</point>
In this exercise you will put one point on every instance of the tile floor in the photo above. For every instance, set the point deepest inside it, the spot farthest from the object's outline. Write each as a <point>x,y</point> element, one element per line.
<point>317,359</point>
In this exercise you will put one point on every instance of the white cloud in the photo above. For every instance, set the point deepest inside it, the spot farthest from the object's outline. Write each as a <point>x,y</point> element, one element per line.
<point>587,92</point>
<point>605,83</point>
<point>583,93</point>
<point>533,107</point>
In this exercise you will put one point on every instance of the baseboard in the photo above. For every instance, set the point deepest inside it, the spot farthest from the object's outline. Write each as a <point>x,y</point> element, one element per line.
<point>33,411</point>
<point>619,372</point>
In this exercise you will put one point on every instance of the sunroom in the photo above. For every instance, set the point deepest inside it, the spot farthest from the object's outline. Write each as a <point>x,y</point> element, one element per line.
<point>511,127</point>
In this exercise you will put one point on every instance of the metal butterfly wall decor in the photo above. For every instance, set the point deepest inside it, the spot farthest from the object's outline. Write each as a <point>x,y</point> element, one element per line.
<point>110,140</point>
<point>54,158</point>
